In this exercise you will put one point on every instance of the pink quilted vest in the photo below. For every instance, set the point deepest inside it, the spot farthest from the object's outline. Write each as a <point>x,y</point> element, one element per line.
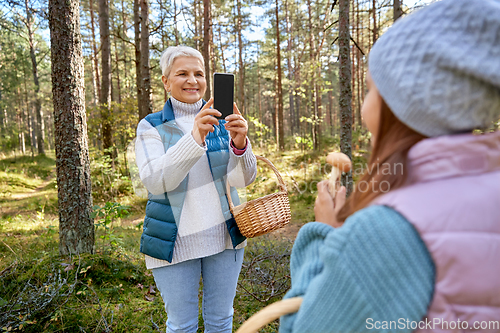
<point>453,200</point>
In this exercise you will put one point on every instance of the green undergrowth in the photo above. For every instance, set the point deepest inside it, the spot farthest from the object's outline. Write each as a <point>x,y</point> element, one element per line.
<point>111,290</point>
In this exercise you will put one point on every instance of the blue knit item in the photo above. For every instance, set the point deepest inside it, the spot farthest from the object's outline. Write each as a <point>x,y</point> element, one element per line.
<point>438,69</point>
<point>374,268</point>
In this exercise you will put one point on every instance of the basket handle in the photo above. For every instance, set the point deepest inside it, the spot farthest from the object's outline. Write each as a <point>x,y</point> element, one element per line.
<point>269,314</point>
<point>281,182</point>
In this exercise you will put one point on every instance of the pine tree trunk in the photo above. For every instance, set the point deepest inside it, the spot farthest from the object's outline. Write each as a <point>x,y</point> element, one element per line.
<point>147,107</point>
<point>94,49</point>
<point>353,73</point>
<point>105,100</point>
<point>137,44</point>
<point>358,69</point>
<point>397,10</point>
<point>280,130</point>
<point>39,129</point>
<point>241,68</point>
<point>117,68</point>
<point>374,13</point>
<point>206,45</point>
<point>345,89</point>
<point>176,31</point>
<point>314,87</point>
<point>76,227</point>
<point>289,29</point>
<point>124,49</point>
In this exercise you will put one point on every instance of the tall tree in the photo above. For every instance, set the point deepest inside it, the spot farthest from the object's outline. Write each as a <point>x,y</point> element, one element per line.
<point>207,38</point>
<point>314,84</point>
<point>137,44</point>
<point>94,50</point>
<point>105,97</point>
<point>374,13</point>
<point>289,29</point>
<point>38,103</point>
<point>241,68</point>
<point>76,227</point>
<point>345,89</point>
<point>147,106</point>
<point>279,108</point>
<point>397,10</point>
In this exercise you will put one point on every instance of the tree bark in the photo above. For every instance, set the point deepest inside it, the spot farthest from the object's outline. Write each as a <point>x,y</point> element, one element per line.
<point>38,103</point>
<point>397,10</point>
<point>117,62</point>
<point>76,226</point>
<point>241,67</point>
<point>358,69</point>
<point>137,43</point>
<point>176,31</point>
<point>94,49</point>
<point>374,13</point>
<point>314,88</point>
<point>105,100</point>
<point>206,45</point>
<point>124,48</point>
<point>147,107</point>
<point>289,29</point>
<point>345,89</point>
<point>279,130</point>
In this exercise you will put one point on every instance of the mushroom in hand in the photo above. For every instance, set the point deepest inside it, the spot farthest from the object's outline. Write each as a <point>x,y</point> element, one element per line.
<point>340,163</point>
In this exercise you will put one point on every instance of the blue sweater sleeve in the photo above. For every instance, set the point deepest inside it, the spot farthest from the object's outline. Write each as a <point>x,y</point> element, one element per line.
<point>374,274</point>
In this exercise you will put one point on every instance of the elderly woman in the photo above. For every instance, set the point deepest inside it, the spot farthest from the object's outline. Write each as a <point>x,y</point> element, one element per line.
<point>185,155</point>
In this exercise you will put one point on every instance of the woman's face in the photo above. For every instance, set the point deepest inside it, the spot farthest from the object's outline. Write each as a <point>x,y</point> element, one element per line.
<point>372,107</point>
<point>186,81</point>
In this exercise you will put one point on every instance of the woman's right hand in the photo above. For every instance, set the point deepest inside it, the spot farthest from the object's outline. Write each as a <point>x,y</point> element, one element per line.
<point>204,122</point>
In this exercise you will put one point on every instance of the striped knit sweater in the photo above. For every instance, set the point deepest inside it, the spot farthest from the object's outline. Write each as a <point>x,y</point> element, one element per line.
<point>372,271</point>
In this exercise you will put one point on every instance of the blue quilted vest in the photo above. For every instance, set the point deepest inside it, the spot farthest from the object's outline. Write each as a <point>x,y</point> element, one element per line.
<point>160,230</point>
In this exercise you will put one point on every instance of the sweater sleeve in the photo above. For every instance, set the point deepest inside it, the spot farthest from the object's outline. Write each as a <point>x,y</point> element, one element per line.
<point>241,169</point>
<point>162,171</point>
<point>374,274</point>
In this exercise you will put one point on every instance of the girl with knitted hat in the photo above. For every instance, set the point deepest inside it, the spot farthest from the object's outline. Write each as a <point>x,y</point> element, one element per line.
<point>418,249</point>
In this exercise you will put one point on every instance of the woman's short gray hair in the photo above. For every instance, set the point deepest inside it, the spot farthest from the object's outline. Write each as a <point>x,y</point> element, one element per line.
<point>173,52</point>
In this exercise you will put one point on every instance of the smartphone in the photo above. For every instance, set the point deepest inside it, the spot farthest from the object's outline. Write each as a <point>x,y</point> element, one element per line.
<point>223,93</point>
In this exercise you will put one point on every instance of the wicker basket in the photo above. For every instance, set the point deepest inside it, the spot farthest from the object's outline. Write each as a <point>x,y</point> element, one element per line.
<point>269,314</point>
<point>262,215</point>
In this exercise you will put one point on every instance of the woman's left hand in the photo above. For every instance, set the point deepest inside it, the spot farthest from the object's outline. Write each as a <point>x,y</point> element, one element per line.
<point>326,207</point>
<point>237,127</point>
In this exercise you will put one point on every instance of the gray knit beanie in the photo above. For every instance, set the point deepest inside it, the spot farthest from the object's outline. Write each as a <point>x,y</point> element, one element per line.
<point>438,69</point>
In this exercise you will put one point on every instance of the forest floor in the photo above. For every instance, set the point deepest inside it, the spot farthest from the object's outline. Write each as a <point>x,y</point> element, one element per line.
<point>111,291</point>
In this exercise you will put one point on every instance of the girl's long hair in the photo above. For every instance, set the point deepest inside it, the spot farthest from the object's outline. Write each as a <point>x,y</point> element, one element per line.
<point>387,169</point>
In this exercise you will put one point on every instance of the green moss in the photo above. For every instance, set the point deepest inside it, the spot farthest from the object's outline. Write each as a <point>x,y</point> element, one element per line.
<point>111,289</point>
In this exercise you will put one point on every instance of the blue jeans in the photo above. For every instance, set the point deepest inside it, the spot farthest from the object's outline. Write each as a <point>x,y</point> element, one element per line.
<point>179,284</point>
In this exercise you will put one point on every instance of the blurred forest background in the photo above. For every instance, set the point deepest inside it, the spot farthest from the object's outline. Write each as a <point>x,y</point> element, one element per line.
<point>239,36</point>
<point>75,79</point>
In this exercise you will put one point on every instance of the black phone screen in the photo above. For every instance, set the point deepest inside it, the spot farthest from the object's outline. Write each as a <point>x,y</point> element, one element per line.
<point>223,93</point>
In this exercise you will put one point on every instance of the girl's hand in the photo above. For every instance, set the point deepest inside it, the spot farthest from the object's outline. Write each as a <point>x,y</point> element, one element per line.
<point>204,122</point>
<point>326,207</point>
<point>237,127</point>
